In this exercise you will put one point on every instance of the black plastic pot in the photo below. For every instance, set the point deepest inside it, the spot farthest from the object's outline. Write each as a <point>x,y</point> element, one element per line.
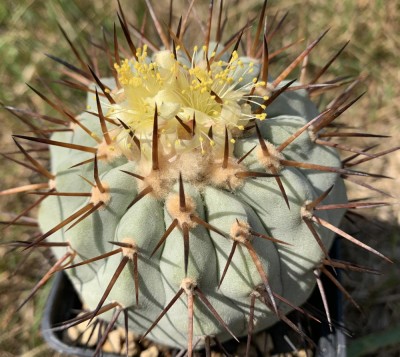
<point>63,303</point>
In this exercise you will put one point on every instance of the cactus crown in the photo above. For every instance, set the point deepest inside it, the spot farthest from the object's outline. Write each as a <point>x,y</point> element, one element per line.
<point>199,205</point>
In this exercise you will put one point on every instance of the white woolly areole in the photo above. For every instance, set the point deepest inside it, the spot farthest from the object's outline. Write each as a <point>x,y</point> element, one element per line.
<point>305,212</point>
<point>160,181</point>
<point>192,165</point>
<point>188,285</point>
<point>174,209</point>
<point>240,231</point>
<point>226,177</point>
<point>272,159</point>
<point>131,250</point>
<point>52,184</point>
<point>98,196</point>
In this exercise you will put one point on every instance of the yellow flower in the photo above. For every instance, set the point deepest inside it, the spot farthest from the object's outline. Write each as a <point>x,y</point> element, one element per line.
<point>196,93</point>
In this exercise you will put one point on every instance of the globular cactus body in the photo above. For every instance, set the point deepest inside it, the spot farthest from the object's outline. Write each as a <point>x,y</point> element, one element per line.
<point>238,208</point>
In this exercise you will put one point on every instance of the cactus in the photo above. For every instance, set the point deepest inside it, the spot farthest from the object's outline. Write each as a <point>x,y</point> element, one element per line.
<point>198,195</point>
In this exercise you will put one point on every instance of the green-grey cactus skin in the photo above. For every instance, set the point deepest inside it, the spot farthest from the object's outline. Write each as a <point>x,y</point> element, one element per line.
<point>255,204</point>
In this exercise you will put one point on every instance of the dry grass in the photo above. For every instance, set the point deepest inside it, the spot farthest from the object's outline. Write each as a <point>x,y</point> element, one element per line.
<point>28,29</point>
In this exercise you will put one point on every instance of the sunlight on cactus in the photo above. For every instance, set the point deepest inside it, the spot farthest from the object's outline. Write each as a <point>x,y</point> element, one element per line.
<point>196,198</point>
